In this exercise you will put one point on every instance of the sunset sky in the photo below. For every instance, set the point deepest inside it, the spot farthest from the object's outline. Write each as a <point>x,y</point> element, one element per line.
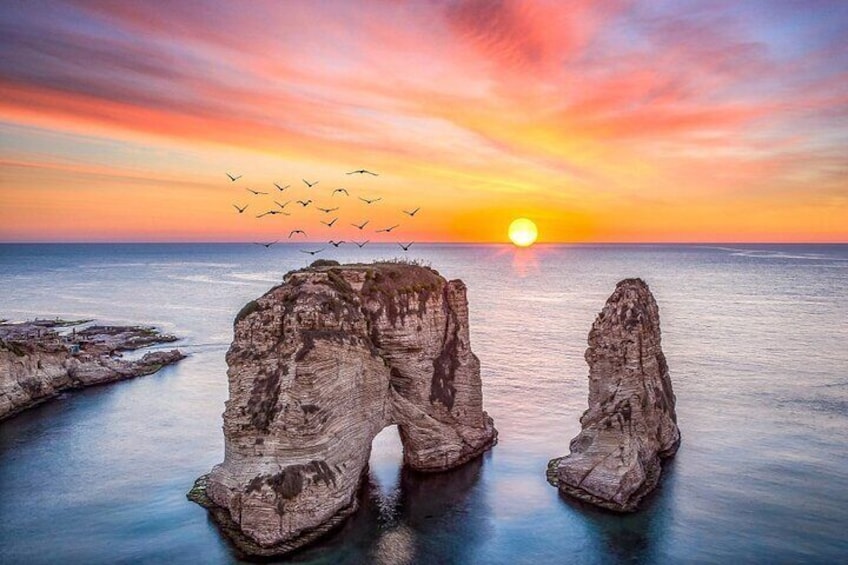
<point>606,121</point>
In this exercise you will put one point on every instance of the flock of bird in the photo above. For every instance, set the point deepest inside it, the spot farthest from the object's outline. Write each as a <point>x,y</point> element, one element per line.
<point>337,197</point>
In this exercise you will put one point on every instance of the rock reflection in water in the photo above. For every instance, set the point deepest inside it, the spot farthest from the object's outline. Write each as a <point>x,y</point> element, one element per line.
<point>636,537</point>
<point>422,518</point>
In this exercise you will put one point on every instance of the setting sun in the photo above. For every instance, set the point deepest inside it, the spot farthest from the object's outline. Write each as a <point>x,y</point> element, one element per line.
<point>523,232</point>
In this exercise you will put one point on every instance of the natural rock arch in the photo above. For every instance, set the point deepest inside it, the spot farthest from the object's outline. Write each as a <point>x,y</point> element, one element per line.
<point>318,367</point>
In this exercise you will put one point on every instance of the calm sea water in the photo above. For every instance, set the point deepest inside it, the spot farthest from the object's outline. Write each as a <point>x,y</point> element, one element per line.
<point>755,337</point>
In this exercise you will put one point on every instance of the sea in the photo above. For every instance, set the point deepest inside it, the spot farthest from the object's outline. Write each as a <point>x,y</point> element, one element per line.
<point>756,338</point>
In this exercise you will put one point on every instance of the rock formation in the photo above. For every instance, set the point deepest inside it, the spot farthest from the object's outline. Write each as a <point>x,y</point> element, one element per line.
<point>37,362</point>
<point>318,366</point>
<point>630,424</point>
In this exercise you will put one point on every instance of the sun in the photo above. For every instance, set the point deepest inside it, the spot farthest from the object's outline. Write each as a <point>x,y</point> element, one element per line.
<point>523,232</point>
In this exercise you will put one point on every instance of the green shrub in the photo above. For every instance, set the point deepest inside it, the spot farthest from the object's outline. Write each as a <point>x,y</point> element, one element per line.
<point>324,263</point>
<point>246,311</point>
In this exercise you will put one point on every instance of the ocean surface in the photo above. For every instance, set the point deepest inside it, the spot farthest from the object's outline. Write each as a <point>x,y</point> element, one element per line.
<point>757,343</point>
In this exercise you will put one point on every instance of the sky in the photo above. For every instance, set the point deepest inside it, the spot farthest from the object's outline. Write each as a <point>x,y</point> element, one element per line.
<point>602,121</point>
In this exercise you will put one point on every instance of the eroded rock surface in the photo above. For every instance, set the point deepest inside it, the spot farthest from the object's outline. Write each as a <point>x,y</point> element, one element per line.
<point>318,366</point>
<point>630,424</point>
<point>37,362</point>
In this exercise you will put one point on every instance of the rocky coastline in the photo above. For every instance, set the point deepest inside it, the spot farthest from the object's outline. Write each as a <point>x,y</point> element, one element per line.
<point>40,359</point>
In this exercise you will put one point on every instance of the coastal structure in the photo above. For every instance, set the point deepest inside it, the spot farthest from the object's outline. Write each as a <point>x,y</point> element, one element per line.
<point>631,423</point>
<point>318,366</point>
<point>37,362</point>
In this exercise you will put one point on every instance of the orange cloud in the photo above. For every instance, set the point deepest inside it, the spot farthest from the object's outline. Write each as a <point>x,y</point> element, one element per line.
<point>604,121</point>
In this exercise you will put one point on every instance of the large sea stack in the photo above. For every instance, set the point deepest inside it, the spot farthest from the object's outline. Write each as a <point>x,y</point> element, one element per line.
<point>318,366</point>
<point>630,424</point>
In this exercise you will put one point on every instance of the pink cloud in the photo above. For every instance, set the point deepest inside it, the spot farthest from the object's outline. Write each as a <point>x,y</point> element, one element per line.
<point>505,97</point>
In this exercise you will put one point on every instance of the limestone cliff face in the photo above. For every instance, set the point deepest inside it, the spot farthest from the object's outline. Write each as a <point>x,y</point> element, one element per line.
<point>630,424</point>
<point>318,366</point>
<point>36,363</point>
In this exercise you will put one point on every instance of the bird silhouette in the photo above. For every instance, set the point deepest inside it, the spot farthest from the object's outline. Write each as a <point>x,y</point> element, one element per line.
<point>328,210</point>
<point>281,188</point>
<point>232,178</point>
<point>371,201</point>
<point>407,246</point>
<point>282,206</point>
<point>242,209</point>
<point>291,233</point>
<point>255,192</point>
<point>310,184</point>
<point>330,223</point>
<point>361,226</point>
<point>363,172</point>
<point>387,230</point>
<point>335,243</point>
<point>266,245</point>
<point>361,245</point>
<point>271,212</point>
<point>304,203</point>
<point>341,190</point>
<point>413,212</point>
<point>312,252</point>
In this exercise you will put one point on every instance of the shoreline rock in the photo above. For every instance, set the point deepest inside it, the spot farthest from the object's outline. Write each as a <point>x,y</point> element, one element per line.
<point>318,366</point>
<point>247,545</point>
<point>631,423</point>
<point>37,363</point>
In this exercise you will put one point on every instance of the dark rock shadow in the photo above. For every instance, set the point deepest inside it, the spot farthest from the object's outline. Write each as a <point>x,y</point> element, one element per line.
<point>636,537</point>
<point>427,518</point>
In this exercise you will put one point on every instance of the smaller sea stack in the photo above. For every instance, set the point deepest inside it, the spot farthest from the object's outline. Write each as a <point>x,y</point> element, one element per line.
<point>630,424</point>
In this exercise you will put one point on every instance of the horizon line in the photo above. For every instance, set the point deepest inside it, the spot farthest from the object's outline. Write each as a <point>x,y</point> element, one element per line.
<point>508,243</point>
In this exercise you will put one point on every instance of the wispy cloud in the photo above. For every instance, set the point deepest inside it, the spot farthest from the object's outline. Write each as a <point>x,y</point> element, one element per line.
<point>657,111</point>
